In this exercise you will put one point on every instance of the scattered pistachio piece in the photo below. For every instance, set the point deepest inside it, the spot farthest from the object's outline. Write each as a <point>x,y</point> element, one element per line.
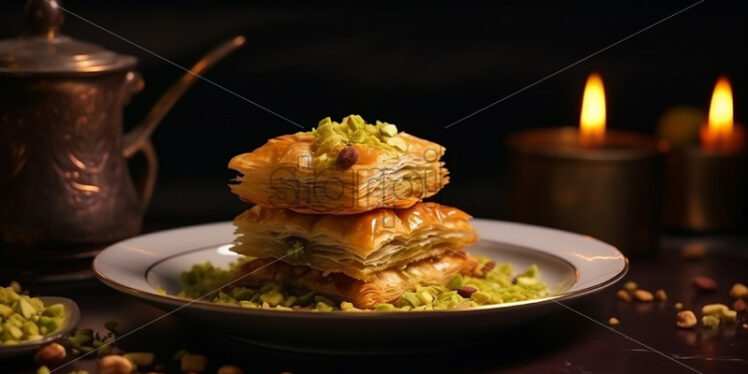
<point>738,291</point>
<point>497,284</point>
<point>42,370</point>
<point>141,359</point>
<point>678,306</point>
<point>613,321</point>
<point>323,307</point>
<point>660,295</point>
<point>623,296</point>
<point>630,286</point>
<point>389,130</point>
<point>685,319</point>
<point>729,316</point>
<point>50,355</point>
<point>384,307</point>
<point>272,297</point>
<point>114,364</point>
<point>348,306</point>
<point>643,295</point>
<point>714,309</point>
<point>710,321</point>
<point>425,296</point>
<point>193,363</point>
<point>397,142</point>
<point>704,283</point>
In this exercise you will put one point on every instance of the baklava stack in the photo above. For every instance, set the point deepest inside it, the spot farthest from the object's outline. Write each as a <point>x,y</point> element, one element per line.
<point>339,213</point>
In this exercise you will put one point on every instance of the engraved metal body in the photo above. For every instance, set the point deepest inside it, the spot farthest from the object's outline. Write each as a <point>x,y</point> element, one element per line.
<point>65,186</point>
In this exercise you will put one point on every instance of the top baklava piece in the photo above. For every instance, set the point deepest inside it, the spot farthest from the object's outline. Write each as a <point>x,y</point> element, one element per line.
<point>340,168</point>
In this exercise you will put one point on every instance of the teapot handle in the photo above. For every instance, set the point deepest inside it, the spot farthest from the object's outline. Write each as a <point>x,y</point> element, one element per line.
<point>146,179</point>
<point>138,140</point>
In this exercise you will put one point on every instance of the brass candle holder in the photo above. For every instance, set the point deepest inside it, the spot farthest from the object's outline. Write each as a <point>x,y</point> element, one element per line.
<point>600,183</point>
<point>707,186</point>
<point>706,191</point>
<point>611,192</point>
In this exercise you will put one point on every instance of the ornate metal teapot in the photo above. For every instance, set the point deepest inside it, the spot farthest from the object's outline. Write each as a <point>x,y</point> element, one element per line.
<point>64,178</point>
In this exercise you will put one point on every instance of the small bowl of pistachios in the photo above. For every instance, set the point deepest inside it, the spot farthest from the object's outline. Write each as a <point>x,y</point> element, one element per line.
<point>28,323</point>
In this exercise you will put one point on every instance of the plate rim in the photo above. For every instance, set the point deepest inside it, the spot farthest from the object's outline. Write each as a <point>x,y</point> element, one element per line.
<point>182,303</point>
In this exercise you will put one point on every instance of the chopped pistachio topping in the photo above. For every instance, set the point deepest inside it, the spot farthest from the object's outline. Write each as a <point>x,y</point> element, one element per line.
<point>24,318</point>
<point>498,286</point>
<point>333,136</point>
<point>710,321</point>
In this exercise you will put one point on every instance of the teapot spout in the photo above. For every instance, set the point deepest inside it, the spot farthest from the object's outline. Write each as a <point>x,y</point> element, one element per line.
<point>140,135</point>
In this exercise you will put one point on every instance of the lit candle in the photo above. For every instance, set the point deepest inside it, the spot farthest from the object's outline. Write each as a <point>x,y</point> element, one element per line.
<point>720,134</point>
<point>589,179</point>
<point>705,185</point>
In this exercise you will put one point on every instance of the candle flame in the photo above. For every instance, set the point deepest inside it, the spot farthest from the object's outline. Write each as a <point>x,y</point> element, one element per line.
<point>720,111</point>
<point>592,120</point>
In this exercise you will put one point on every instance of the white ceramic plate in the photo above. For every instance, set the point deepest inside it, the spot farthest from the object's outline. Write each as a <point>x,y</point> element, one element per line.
<point>572,265</point>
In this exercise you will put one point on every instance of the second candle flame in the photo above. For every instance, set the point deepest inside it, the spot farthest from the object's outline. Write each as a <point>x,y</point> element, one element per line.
<point>592,120</point>
<point>720,110</point>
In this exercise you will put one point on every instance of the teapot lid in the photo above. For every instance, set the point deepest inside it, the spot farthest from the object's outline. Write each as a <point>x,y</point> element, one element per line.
<point>42,50</point>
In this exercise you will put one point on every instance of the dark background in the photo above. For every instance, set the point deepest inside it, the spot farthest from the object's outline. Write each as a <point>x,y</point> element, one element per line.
<point>420,66</point>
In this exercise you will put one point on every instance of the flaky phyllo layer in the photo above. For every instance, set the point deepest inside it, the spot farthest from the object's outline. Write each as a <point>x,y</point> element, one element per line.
<point>384,287</point>
<point>358,245</point>
<point>301,171</point>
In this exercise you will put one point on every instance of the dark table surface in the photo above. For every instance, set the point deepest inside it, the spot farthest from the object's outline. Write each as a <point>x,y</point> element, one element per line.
<point>567,341</point>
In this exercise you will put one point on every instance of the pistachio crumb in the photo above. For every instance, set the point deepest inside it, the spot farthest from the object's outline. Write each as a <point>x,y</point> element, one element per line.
<point>114,364</point>
<point>630,286</point>
<point>710,321</point>
<point>613,321</point>
<point>678,306</point>
<point>685,319</point>
<point>643,295</point>
<point>729,316</point>
<point>738,291</point>
<point>714,309</point>
<point>623,295</point>
<point>49,355</point>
